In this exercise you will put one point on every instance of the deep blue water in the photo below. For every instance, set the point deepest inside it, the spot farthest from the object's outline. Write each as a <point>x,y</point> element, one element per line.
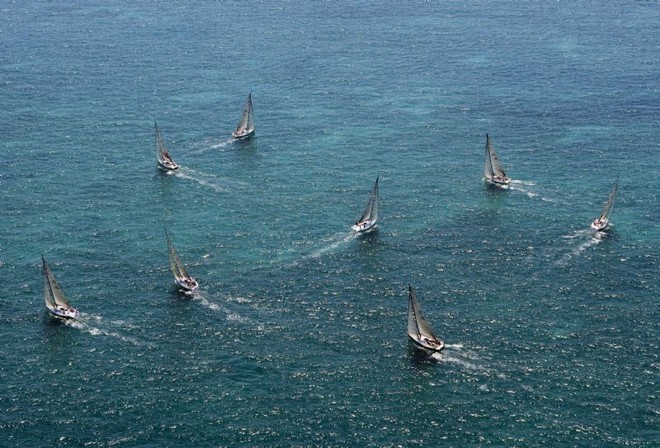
<point>297,336</point>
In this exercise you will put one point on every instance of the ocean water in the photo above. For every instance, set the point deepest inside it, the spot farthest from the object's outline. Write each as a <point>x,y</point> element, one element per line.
<point>297,335</point>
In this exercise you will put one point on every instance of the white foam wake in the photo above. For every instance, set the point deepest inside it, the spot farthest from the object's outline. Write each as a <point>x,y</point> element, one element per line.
<point>212,305</point>
<point>522,182</point>
<point>454,354</point>
<point>84,323</point>
<point>520,185</point>
<point>580,241</point>
<point>333,244</point>
<point>215,146</point>
<point>186,173</point>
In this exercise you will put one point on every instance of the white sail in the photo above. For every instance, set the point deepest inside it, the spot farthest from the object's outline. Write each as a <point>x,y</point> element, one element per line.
<point>370,212</point>
<point>418,326</point>
<point>162,154</point>
<point>181,276</point>
<point>488,163</point>
<point>53,295</point>
<point>177,267</point>
<point>246,124</point>
<point>607,209</point>
<point>49,298</point>
<point>492,165</point>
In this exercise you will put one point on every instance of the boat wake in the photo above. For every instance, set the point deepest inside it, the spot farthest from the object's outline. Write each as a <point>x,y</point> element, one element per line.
<point>525,183</point>
<point>579,241</point>
<point>212,305</point>
<point>523,187</point>
<point>331,245</point>
<point>454,354</point>
<point>293,257</point>
<point>93,324</point>
<point>208,180</point>
<point>215,146</point>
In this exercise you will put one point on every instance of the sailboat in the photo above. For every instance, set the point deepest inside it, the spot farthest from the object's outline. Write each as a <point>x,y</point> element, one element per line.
<point>245,126</point>
<point>369,216</point>
<point>493,171</point>
<point>163,157</point>
<point>603,220</point>
<point>419,329</point>
<point>56,303</point>
<point>181,276</point>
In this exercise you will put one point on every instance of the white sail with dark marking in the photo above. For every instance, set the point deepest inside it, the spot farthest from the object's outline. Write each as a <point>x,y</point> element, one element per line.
<point>54,298</point>
<point>419,329</point>
<point>603,220</point>
<point>181,276</point>
<point>163,156</point>
<point>493,170</point>
<point>245,126</point>
<point>369,216</point>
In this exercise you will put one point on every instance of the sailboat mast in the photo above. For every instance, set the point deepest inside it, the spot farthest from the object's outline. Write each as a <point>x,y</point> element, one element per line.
<point>414,307</point>
<point>607,209</point>
<point>54,289</point>
<point>176,265</point>
<point>48,290</point>
<point>488,164</point>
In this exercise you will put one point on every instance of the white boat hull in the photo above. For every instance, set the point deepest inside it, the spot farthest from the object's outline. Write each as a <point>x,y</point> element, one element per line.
<point>242,135</point>
<point>428,344</point>
<point>167,166</point>
<point>364,227</point>
<point>599,225</point>
<point>187,284</point>
<point>68,313</point>
<point>502,183</point>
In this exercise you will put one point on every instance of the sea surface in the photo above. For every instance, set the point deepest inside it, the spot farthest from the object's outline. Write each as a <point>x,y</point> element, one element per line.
<point>297,335</point>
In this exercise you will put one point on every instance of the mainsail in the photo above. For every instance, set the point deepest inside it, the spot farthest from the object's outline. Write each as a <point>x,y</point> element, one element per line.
<point>176,265</point>
<point>607,209</point>
<point>246,124</point>
<point>492,165</point>
<point>417,323</point>
<point>162,154</point>
<point>370,212</point>
<point>53,295</point>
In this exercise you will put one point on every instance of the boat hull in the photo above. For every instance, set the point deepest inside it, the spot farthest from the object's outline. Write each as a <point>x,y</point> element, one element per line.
<point>187,284</point>
<point>504,183</point>
<point>427,344</point>
<point>364,227</point>
<point>167,166</point>
<point>68,313</point>
<point>242,136</point>
<point>599,225</point>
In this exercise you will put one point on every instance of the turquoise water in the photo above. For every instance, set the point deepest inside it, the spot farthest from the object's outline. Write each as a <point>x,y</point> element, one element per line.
<point>297,335</point>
